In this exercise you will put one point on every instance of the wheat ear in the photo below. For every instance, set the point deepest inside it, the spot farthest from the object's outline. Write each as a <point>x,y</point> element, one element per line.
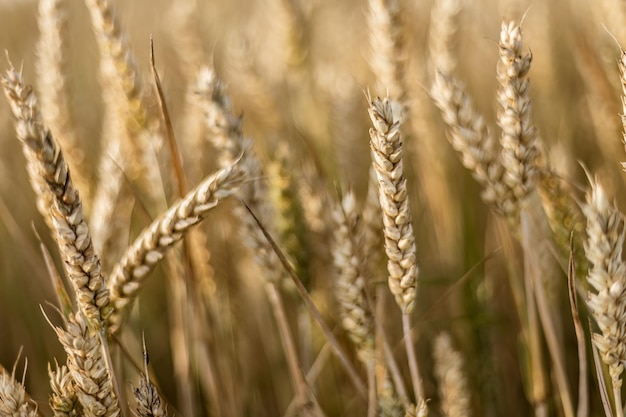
<point>224,128</point>
<point>607,277</point>
<point>88,368</point>
<point>520,148</point>
<point>356,314</point>
<point>151,245</point>
<point>386,149</point>
<point>469,136</point>
<point>453,387</point>
<point>72,234</point>
<point>52,85</point>
<point>226,135</point>
<point>388,53</point>
<point>289,220</point>
<point>149,402</point>
<point>127,98</point>
<point>14,401</point>
<point>289,21</point>
<point>442,35</point>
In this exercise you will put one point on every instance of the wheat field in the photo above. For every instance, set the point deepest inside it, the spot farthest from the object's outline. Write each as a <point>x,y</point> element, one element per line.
<point>312,208</point>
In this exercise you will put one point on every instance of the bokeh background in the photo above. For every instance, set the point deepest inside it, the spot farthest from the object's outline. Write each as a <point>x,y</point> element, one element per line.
<point>312,100</point>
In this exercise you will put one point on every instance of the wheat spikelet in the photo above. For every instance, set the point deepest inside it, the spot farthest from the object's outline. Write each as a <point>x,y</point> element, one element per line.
<point>151,245</point>
<point>453,387</point>
<point>603,247</point>
<point>14,401</point>
<point>63,399</point>
<point>387,148</point>
<point>350,288</point>
<point>519,142</point>
<point>52,85</point>
<point>88,368</point>
<point>81,262</point>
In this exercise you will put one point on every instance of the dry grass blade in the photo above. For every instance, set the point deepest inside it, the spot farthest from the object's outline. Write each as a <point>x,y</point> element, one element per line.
<point>177,160</point>
<point>539,267</point>
<point>583,384</point>
<point>81,262</point>
<point>151,245</point>
<point>63,298</point>
<point>604,393</point>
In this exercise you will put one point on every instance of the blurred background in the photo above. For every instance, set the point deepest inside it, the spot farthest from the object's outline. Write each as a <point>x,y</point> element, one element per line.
<point>311,100</point>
